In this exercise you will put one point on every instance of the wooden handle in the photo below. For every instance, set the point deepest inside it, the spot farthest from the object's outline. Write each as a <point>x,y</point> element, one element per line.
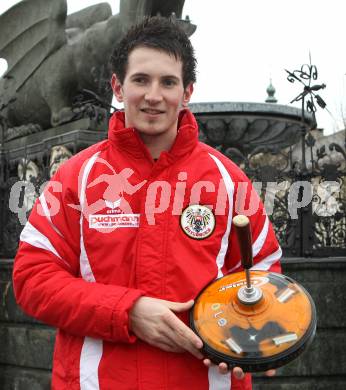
<point>242,226</point>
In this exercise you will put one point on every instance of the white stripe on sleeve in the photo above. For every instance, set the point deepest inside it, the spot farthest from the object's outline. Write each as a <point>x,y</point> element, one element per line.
<point>268,261</point>
<point>85,266</point>
<point>258,244</point>
<point>220,260</point>
<point>35,238</point>
<point>89,363</point>
<point>47,214</point>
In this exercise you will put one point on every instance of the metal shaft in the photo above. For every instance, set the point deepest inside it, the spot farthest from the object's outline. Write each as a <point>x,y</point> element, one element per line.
<point>248,279</point>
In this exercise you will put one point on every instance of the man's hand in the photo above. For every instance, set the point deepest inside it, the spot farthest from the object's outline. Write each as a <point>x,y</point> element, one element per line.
<point>237,371</point>
<point>153,321</point>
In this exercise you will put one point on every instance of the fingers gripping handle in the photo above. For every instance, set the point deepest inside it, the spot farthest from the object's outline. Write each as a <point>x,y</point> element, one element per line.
<point>242,226</point>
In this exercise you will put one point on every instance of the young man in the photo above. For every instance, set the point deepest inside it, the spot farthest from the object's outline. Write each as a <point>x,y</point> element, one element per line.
<point>131,229</point>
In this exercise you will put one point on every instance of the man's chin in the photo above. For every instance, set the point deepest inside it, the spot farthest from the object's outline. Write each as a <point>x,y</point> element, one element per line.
<point>150,132</point>
<point>150,129</point>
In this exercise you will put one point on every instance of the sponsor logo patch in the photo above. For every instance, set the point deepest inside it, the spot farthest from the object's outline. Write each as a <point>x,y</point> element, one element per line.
<point>197,221</point>
<point>110,221</point>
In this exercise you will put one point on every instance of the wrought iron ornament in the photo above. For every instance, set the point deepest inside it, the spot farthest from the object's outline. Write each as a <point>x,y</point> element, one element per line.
<point>306,75</point>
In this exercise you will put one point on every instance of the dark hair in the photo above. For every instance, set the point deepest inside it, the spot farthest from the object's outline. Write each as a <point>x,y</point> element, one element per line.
<point>157,33</point>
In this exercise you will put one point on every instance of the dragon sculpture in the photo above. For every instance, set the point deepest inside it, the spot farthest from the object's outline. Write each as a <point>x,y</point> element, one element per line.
<point>52,56</point>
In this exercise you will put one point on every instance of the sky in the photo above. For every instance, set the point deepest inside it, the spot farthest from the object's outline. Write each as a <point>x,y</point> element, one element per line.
<point>241,45</point>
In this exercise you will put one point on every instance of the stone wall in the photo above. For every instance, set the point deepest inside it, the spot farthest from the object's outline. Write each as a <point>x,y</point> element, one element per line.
<point>323,365</point>
<point>27,346</point>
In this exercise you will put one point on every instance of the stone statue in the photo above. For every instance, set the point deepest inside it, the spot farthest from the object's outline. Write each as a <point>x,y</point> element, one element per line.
<point>28,172</point>
<point>59,154</point>
<point>52,56</point>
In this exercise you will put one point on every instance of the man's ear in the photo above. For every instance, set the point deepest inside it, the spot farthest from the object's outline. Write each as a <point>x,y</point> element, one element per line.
<point>117,88</point>
<point>187,94</point>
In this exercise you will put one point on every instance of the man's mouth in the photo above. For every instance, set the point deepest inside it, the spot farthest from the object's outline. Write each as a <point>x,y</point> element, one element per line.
<point>152,111</point>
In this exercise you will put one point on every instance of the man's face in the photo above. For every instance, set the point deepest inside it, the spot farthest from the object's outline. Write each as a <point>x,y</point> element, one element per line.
<point>152,92</point>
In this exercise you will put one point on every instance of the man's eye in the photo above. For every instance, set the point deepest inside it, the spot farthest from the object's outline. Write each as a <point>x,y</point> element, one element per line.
<point>169,82</point>
<point>139,80</point>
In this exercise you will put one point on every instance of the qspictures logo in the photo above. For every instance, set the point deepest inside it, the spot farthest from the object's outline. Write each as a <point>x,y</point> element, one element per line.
<point>117,189</point>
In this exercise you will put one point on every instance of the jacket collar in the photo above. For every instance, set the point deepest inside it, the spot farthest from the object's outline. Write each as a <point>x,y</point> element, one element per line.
<point>128,140</point>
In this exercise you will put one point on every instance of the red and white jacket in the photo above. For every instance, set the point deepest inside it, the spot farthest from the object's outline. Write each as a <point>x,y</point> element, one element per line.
<point>107,230</point>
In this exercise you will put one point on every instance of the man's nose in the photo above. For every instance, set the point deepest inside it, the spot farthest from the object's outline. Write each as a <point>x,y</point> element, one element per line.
<point>153,94</point>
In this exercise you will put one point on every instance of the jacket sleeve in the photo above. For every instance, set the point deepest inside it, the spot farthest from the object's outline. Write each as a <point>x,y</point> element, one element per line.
<point>265,247</point>
<point>46,274</point>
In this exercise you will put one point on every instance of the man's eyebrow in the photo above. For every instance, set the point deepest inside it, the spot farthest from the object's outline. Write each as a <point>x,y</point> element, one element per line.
<point>139,74</point>
<point>170,76</point>
<point>165,76</point>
